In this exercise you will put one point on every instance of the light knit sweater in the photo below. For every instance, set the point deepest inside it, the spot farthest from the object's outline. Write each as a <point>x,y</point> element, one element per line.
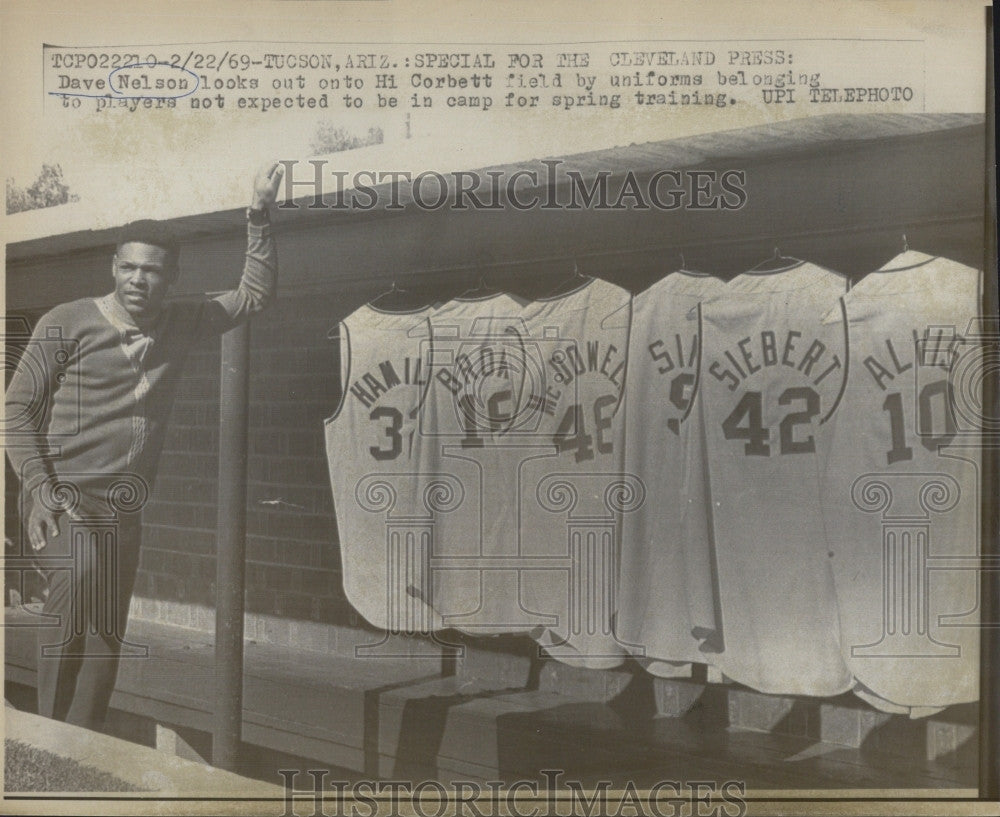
<point>92,392</point>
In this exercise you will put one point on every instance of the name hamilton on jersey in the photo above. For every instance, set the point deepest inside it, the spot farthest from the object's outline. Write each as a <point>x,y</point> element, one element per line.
<point>380,380</point>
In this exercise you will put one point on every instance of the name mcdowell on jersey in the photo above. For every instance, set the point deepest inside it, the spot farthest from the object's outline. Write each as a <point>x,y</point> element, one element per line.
<point>565,364</point>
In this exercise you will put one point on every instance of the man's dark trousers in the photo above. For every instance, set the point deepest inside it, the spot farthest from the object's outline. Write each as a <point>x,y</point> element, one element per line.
<point>91,568</point>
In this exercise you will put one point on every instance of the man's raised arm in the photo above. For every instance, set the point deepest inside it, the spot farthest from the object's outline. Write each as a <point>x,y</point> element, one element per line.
<point>257,285</point>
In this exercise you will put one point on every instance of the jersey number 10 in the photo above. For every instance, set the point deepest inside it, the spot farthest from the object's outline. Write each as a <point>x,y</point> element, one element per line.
<point>900,451</point>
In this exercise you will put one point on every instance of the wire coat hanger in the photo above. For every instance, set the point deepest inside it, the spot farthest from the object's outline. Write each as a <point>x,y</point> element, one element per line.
<point>482,263</point>
<point>482,288</point>
<point>334,331</point>
<point>576,277</point>
<point>683,268</point>
<point>776,262</point>
<point>621,321</point>
<point>390,291</point>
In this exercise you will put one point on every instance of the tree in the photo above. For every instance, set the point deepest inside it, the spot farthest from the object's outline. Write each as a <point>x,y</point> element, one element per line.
<point>331,139</point>
<point>48,190</point>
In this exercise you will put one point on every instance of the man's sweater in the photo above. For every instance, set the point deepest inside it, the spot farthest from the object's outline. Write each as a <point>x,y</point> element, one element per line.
<point>92,393</point>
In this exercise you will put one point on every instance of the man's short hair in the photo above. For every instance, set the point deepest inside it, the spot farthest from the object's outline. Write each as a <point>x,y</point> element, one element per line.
<point>155,233</point>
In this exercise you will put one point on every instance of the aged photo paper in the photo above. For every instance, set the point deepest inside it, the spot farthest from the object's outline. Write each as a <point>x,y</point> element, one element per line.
<point>500,409</point>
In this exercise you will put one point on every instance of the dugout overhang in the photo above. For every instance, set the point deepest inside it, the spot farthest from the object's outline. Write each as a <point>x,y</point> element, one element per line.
<point>928,148</point>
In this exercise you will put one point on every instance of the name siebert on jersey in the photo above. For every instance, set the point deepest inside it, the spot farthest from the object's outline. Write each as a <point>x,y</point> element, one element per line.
<point>753,353</point>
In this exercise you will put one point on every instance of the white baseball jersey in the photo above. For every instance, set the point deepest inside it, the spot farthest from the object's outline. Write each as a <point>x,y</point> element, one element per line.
<point>771,374</point>
<point>479,397</point>
<point>667,602</point>
<point>570,486</point>
<point>901,488</point>
<point>385,491</point>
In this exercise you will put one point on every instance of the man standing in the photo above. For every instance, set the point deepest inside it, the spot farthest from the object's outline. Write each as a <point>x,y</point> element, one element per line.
<point>86,412</point>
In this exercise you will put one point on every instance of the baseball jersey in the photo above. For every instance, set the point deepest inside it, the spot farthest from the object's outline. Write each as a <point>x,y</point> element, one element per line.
<point>667,601</point>
<point>901,487</point>
<point>481,381</point>
<point>386,494</point>
<point>571,489</point>
<point>772,372</point>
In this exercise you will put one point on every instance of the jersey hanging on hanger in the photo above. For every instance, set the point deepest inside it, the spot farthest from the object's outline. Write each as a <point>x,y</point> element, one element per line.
<point>667,602</point>
<point>481,396</point>
<point>901,488</point>
<point>771,374</point>
<point>386,495</point>
<point>570,488</point>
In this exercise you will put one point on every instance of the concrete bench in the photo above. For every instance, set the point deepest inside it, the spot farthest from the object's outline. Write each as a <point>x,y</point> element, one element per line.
<point>504,713</point>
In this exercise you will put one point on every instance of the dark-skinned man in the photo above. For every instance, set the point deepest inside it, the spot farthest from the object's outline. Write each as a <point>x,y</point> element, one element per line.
<point>86,413</point>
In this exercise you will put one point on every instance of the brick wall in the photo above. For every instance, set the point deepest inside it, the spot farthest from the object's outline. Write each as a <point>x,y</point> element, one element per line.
<point>293,564</point>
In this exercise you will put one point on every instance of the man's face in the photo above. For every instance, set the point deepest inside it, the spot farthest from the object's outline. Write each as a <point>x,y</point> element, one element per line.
<point>143,275</point>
